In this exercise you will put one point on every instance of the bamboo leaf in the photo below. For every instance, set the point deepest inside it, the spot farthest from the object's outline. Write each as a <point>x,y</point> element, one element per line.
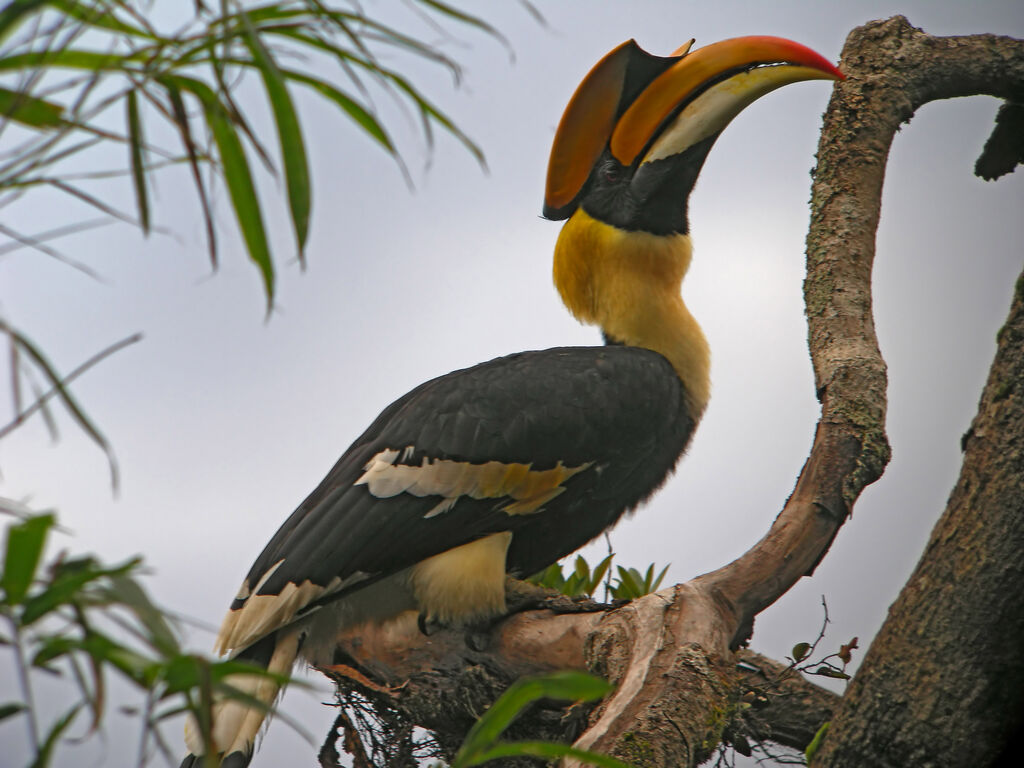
<point>181,121</point>
<point>350,106</point>
<point>29,110</point>
<point>22,552</point>
<point>8,710</point>
<point>293,149</point>
<point>46,748</point>
<point>101,18</point>
<point>69,579</point>
<point>69,58</point>
<point>570,686</point>
<point>128,592</point>
<point>138,163</point>
<point>14,13</point>
<point>237,176</point>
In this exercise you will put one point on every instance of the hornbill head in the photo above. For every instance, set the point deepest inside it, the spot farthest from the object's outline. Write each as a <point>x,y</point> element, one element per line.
<point>638,128</point>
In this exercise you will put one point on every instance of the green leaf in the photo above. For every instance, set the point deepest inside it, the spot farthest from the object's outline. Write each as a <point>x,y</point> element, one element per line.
<point>29,110</point>
<point>800,651</point>
<point>14,13</point>
<point>815,745</point>
<point>582,568</point>
<point>66,586</point>
<point>293,149</point>
<point>136,154</point>
<point>180,119</point>
<point>101,18</point>
<point>350,106</point>
<point>237,176</point>
<point>630,585</point>
<point>69,58</point>
<point>22,552</point>
<point>129,593</point>
<point>46,748</point>
<point>599,573</point>
<point>136,667</point>
<point>657,582</point>
<point>570,686</point>
<point>51,648</point>
<point>9,710</point>
<point>187,671</point>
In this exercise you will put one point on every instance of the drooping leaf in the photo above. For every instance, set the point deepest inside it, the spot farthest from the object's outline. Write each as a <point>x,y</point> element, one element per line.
<point>104,18</point>
<point>45,753</point>
<point>350,106</point>
<point>136,155</point>
<point>11,709</point>
<point>129,593</point>
<point>29,110</point>
<point>568,686</point>
<point>181,122</point>
<point>12,14</point>
<point>22,551</point>
<point>237,176</point>
<point>293,148</point>
<point>68,579</point>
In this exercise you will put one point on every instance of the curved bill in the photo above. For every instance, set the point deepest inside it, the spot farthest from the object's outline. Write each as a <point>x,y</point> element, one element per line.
<point>720,80</point>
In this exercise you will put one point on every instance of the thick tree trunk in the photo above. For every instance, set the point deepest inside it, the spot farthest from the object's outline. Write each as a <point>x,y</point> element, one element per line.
<point>943,682</point>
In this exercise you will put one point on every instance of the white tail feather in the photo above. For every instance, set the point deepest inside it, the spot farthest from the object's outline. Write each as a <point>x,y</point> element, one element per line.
<point>235,722</point>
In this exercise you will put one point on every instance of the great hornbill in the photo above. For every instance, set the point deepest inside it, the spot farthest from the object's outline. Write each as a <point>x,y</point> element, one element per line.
<point>508,466</point>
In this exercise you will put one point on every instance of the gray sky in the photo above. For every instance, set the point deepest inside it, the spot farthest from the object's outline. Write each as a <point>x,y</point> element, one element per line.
<point>223,422</point>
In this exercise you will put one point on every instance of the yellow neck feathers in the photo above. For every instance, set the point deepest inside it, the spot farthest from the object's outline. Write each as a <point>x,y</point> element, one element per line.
<point>628,283</point>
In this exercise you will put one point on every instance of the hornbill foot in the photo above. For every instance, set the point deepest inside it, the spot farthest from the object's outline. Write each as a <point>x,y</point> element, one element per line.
<point>428,624</point>
<point>521,596</point>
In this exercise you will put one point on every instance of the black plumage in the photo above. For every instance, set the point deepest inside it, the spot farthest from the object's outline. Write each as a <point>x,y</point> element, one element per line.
<point>619,408</point>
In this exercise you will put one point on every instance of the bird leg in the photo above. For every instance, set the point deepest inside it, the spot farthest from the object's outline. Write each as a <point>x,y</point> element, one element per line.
<point>523,596</point>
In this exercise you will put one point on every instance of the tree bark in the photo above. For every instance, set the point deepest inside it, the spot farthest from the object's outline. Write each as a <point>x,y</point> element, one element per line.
<point>672,655</point>
<point>943,683</point>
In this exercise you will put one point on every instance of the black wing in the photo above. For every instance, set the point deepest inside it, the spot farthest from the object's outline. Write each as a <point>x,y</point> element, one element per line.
<point>552,445</point>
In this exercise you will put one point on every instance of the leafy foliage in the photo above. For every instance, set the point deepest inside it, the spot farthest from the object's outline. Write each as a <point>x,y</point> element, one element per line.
<point>632,584</point>
<point>582,581</point>
<point>187,79</point>
<point>79,78</point>
<point>81,620</point>
<point>629,584</point>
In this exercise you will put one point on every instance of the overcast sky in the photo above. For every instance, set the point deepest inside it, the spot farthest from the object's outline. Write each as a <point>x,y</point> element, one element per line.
<point>222,422</point>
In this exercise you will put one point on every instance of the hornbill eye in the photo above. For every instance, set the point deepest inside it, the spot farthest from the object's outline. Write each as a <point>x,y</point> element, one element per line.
<point>611,171</point>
